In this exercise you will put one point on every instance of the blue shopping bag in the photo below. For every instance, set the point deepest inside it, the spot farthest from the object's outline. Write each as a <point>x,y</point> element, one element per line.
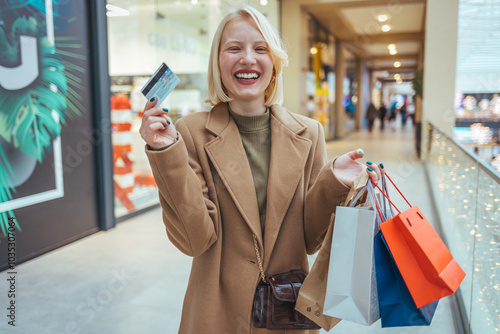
<point>397,308</point>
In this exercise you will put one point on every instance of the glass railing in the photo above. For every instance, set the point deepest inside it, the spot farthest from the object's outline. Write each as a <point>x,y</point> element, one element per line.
<point>467,196</point>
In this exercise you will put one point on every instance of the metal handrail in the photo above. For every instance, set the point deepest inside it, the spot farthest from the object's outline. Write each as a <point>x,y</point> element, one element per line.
<point>486,168</point>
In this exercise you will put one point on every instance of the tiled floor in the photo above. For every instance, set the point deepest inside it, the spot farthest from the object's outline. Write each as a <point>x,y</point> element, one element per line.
<point>131,280</point>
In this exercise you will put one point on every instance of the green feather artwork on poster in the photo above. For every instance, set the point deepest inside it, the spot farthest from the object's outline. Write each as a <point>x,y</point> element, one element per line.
<point>38,95</point>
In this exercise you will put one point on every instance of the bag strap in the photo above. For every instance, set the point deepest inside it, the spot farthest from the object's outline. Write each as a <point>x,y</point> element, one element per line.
<point>371,193</point>
<point>383,193</point>
<point>256,245</point>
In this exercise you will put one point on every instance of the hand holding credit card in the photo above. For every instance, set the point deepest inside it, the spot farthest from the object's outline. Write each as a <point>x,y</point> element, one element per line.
<point>161,83</point>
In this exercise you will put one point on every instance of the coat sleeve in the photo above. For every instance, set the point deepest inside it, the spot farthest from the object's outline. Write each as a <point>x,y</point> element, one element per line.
<point>189,215</point>
<point>325,192</point>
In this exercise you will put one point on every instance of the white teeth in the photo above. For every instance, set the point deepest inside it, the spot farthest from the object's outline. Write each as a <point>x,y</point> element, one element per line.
<point>247,75</point>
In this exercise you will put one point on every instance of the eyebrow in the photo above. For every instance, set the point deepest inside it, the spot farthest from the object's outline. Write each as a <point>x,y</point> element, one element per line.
<point>239,41</point>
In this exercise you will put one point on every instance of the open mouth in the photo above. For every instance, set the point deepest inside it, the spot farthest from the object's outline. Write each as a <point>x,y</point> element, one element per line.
<point>247,76</point>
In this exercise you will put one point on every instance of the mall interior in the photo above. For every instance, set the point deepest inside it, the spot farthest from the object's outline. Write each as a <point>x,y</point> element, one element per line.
<point>82,232</point>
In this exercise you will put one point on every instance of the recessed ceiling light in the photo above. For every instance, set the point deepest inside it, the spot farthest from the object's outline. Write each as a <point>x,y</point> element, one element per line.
<point>263,2</point>
<point>114,11</point>
<point>382,18</point>
<point>194,2</point>
<point>391,46</point>
<point>393,51</point>
<point>386,28</point>
<point>397,76</point>
<point>313,50</point>
<point>397,64</point>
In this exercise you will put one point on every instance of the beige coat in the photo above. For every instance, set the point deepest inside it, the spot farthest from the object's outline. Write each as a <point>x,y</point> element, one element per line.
<point>210,211</point>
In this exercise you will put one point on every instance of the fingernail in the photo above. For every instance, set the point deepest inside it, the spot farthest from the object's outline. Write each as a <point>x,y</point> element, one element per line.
<point>381,165</point>
<point>168,122</point>
<point>369,162</point>
<point>361,152</point>
<point>369,169</point>
<point>163,125</point>
<point>152,99</point>
<point>165,109</point>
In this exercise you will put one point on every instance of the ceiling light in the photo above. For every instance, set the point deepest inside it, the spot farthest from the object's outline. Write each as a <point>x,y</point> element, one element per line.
<point>114,11</point>
<point>391,46</point>
<point>393,52</point>
<point>263,2</point>
<point>194,2</point>
<point>397,64</point>
<point>397,76</point>
<point>314,50</point>
<point>386,28</point>
<point>382,18</point>
<point>399,81</point>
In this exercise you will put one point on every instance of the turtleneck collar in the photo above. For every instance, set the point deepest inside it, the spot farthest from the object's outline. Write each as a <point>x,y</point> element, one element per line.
<point>251,123</point>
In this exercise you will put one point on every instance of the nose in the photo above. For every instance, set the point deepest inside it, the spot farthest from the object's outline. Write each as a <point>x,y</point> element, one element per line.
<point>248,57</point>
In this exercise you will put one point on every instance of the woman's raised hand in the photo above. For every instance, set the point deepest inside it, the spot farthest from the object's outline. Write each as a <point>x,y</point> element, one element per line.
<point>157,129</point>
<point>346,168</point>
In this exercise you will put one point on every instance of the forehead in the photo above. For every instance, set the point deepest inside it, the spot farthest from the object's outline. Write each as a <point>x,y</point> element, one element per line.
<point>241,28</point>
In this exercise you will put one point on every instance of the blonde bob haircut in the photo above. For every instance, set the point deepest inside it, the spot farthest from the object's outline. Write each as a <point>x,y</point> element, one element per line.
<point>274,92</point>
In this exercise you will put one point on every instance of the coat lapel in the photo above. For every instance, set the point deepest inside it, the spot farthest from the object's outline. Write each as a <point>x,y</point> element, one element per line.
<point>289,153</point>
<point>229,159</point>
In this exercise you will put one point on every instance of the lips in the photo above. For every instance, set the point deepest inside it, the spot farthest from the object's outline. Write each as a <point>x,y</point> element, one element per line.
<point>247,76</point>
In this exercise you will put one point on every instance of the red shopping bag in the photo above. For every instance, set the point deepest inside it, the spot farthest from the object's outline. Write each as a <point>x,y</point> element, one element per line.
<point>424,261</point>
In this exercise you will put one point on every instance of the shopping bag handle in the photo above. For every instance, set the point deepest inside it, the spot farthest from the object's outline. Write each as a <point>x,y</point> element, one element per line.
<point>374,200</point>
<point>383,193</point>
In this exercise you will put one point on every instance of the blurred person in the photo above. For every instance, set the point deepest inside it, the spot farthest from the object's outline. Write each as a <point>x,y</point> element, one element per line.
<point>246,170</point>
<point>371,115</point>
<point>392,116</point>
<point>382,113</point>
<point>402,111</point>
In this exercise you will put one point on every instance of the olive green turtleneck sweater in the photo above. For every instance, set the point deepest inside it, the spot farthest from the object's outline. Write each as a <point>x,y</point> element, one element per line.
<point>255,132</point>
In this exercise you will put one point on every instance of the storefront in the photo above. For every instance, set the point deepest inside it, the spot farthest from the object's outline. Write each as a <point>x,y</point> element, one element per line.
<point>142,35</point>
<point>320,77</point>
<point>52,128</point>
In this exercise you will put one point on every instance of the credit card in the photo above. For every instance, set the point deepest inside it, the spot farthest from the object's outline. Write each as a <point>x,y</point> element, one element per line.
<point>161,83</point>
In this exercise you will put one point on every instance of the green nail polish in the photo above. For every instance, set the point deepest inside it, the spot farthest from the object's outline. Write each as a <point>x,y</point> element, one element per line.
<point>152,99</point>
<point>165,109</point>
<point>361,152</point>
<point>381,165</point>
<point>163,125</point>
<point>369,162</point>
<point>168,122</point>
<point>369,169</point>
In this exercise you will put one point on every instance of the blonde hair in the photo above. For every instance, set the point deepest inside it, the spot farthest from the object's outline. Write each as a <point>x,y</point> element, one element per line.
<point>274,92</point>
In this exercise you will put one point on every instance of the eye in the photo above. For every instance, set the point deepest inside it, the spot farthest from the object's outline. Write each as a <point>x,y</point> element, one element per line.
<point>261,49</point>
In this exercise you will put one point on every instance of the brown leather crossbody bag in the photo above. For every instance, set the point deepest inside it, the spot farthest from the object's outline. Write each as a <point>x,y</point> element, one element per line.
<point>275,298</point>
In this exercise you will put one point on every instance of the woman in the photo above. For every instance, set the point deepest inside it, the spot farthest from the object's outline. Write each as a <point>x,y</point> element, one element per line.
<point>247,167</point>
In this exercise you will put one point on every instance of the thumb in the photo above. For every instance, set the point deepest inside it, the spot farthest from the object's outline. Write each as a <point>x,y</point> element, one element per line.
<point>356,154</point>
<point>150,104</point>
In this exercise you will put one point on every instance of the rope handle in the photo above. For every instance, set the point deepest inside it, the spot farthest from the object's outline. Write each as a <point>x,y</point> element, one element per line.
<point>383,193</point>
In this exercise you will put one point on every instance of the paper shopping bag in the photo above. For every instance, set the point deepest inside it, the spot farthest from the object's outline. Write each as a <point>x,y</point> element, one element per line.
<point>424,261</point>
<point>312,293</point>
<point>397,307</point>
<point>351,292</point>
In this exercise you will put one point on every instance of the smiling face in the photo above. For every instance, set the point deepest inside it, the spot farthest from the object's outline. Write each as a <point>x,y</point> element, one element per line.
<point>245,61</point>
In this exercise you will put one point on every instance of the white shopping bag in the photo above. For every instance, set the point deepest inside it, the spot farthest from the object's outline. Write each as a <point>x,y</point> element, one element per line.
<point>351,292</point>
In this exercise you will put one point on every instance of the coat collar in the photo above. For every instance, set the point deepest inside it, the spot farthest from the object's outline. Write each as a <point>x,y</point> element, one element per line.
<point>289,152</point>
<point>219,118</point>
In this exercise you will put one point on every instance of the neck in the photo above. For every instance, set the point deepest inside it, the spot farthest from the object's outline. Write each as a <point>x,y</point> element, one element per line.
<point>250,108</point>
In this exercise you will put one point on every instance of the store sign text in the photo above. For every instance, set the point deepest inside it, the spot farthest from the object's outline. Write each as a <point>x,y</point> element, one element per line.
<point>178,42</point>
